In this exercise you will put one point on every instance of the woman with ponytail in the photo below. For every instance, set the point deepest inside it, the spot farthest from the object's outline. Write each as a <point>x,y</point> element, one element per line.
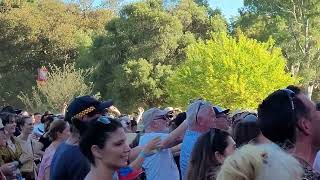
<point>58,132</point>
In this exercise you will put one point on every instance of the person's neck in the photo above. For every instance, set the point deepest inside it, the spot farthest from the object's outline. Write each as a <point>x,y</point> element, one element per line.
<point>24,136</point>
<point>262,139</point>
<point>305,150</point>
<point>73,139</point>
<point>99,173</point>
<point>199,129</point>
<point>56,143</point>
<point>8,135</point>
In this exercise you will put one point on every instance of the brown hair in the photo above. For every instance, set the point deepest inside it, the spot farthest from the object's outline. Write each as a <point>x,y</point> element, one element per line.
<point>244,132</point>
<point>203,164</point>
<point>55,127</point>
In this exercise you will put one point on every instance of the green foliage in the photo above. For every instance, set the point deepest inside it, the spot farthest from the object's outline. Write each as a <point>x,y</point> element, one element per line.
<point>62,85</point>
<point>12,83</point>
<point>32,35</point>
<point>132,55</point>
<point>38,33</point>
<point>195,19</point>
<point>294,25</point>
<point>234,73</point>
<point>140,83</point>
<point>140,49</point>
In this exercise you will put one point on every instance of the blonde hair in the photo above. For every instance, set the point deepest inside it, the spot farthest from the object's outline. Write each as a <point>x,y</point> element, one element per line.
<point>262,162</point>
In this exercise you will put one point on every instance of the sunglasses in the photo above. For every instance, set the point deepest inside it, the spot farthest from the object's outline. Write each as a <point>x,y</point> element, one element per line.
<point>200,104</point>
<point>292,96</point>
<point>161,117</point>
<point>245,117</point>
<point>104,119</point>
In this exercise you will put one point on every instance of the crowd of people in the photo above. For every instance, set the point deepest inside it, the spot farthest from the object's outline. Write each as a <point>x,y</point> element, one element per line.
<point>92,140</point>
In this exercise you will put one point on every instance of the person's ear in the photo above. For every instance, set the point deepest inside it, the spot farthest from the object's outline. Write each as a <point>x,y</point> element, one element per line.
<point>59,135</point>
<point>219,157</point>
<point>96,152</point>
<point>305,126</point>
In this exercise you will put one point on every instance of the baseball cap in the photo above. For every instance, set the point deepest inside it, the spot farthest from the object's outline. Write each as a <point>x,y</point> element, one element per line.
<point>193,110</point>
<point>218,110</point>
<point>83,105</point>
<point>152,114</point>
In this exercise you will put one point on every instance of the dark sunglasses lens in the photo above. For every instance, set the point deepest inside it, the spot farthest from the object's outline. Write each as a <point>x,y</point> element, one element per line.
<point>250,118</point>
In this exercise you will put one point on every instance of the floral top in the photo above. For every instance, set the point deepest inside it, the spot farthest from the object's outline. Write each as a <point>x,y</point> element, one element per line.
<point>7,155</point>
<point>309,173</point>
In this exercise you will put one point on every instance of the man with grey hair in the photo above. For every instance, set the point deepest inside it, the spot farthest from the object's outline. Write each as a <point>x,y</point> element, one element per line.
<point>161,164</point>
<point>200,118</point>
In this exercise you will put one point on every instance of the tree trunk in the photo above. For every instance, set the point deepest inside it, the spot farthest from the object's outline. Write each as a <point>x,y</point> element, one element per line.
<point>310,90</point>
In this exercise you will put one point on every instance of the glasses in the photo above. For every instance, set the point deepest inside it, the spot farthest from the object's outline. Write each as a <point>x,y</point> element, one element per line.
<point>200,104</point>
<point>245,117</point>
<point>161,117</point>
<point>105,120</point>
<point>292,95</point>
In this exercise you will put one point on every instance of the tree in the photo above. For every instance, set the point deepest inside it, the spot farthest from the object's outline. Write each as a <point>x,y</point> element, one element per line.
<point>294,24</point>
<point>11,85</point>
<point>205,4</point>
<point>234,73</point>
<point>39,33</point>
<point>113,5</point>
<point>195,19</point>
<point>135,49</point>
<point>62,86</point>
<point>141,48</point>
<point>200,3</point>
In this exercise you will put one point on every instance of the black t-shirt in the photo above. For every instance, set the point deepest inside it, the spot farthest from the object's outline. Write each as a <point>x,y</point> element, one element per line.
<point>45,141</point>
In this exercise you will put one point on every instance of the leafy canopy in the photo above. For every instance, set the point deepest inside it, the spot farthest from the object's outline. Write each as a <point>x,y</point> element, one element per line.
<point>234,73</point>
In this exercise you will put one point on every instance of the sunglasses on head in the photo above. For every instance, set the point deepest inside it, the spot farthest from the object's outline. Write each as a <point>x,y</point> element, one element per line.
<point>291,96</point>
<point>200,104</point>
<point>104,119</point>
<point>161,117</point>
<point>245,117</point>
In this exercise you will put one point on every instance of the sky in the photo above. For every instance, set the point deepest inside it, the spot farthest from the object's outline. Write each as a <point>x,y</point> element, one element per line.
<point>229,8</point>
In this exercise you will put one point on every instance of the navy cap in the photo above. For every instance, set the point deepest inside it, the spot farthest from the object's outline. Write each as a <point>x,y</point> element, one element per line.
<point>219,110</point>
<point>80,104</point>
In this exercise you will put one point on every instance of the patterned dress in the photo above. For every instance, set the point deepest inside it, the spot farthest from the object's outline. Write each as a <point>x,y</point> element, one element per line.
<point>309,173</point>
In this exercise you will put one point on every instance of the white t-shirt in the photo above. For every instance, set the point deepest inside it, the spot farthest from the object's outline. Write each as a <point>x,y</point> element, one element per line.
<point>316,163</point>
<point>161,165</point>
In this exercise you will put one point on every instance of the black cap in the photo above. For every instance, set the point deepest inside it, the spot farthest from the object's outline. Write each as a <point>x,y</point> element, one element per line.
<point>219,110</point>
<point>10,109</point>
<point>82,103</point>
